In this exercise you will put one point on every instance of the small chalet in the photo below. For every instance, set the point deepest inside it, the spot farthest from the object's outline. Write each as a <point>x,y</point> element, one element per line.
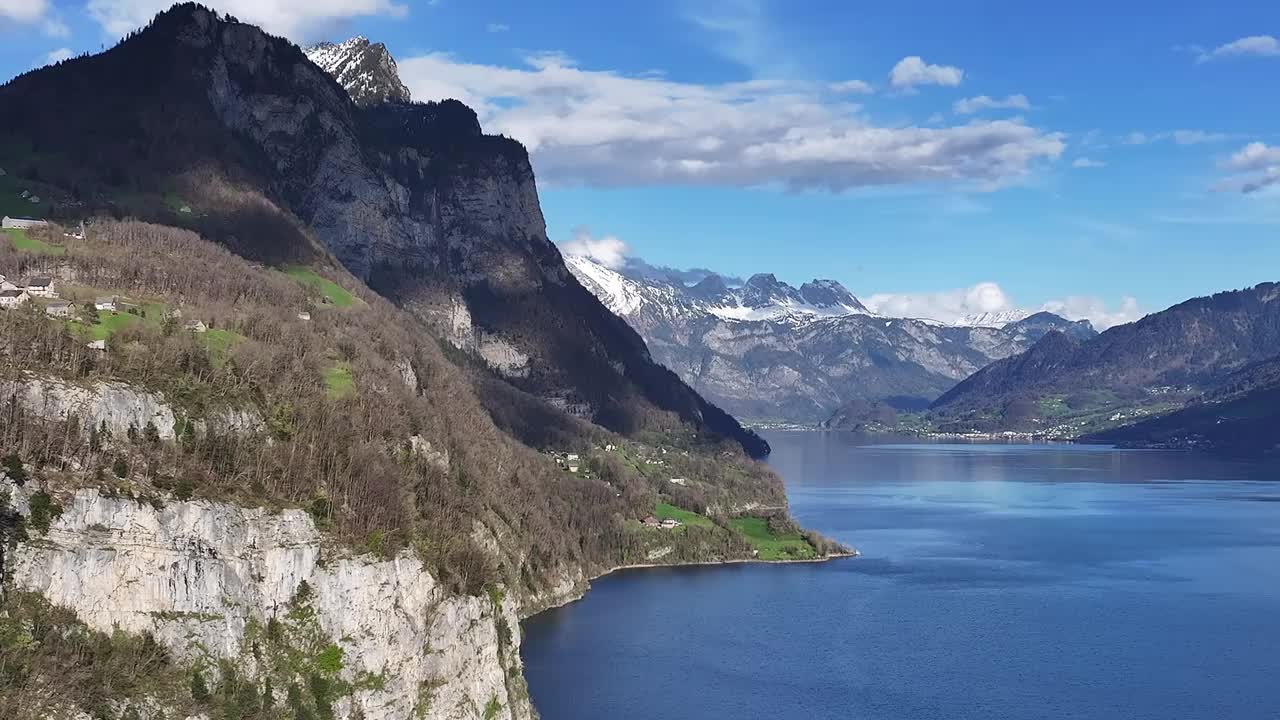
<point>197,326</point>
<point>652,522</point>
<point>105,303</point>
<point>571,457</point>
<point>679,481</point>
<point>6,285</point>
<point>670,523</point>
<point>21,223</point>
<point>304,315</point>
<point>99,345</point>
<point>41,286</point>
<point>13,298</point>
<point>58,308</point>
<point>573,467</point>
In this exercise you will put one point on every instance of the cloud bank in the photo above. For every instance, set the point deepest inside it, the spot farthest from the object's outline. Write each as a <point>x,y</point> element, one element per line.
<point>606,129</point>
<point>949,306</point>
<point>298,20</point>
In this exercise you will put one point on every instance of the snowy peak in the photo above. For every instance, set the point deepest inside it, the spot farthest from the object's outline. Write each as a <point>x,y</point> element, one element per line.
<point>763,298</point>
<point>365,70</point>
<point>997,319</point>
<point>831,294</point>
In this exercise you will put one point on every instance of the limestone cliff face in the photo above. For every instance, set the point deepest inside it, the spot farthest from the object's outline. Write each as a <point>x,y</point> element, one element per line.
<point>201,576</point>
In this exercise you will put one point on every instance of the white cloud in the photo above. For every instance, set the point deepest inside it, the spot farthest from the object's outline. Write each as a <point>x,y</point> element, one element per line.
<point>23,11</point>
<point>34,12</point>
<point>853,87</point>
<point>945,306</point>
<point>604,128</point>
<point>1254,45</point>
<point>1254,167</point>
<point>609,251</point>
<point>497,27</point>
<point>912,70</point>
<point>58,56</point>
<point>1095,310</point>
<point>968,106</point>
<point>1084,162</point>
<point>298,20</point>
<point>949,306</point>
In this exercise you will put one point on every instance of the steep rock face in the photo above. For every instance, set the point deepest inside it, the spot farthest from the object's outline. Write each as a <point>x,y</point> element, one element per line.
<point>769,351</point>
<point>366,70</point>
<point>412,198</point>
<point>200,575</point>
<point>117,406</point>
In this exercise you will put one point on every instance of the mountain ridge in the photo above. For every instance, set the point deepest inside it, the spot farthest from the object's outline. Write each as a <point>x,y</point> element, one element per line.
<point>412,198</point>
<point>769,351</point>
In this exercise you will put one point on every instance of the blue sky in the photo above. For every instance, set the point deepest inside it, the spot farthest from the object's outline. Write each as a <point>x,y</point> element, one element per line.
<point>1100,158</point>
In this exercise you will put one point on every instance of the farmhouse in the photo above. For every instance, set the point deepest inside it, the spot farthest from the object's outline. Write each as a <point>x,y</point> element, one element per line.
<point>41,286</point>
<point>105,303</point>
<point>12,298</point>
<point>670,523</point>
<point>58,308</point>
<point>21,223</point>
<point>652,522</point>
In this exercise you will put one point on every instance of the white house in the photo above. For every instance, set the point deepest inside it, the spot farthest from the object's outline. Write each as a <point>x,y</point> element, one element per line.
<point>41,286</point>
<point>678,481</point>
<point>304,315</point>
<point>98,345</point>
<point>105,303</point>
<point>197,326</point>
<point>59,309</point>
<point>571,457</point>
<point>13,298</point>
<point>21,223</point>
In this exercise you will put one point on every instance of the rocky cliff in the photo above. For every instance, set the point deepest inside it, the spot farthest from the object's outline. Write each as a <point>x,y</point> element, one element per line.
<point>208,579</point>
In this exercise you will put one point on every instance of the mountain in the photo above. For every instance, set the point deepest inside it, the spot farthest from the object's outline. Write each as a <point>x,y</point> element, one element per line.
<point>1126,373</point>
<point>257,487</point>
<point>206,122</point>
<point>770,351</point>
<point>366,70</point>
<point>1240,416</point>
<point>995,319</point>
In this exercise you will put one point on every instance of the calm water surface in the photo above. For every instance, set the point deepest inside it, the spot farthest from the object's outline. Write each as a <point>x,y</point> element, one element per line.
<point>997,581</point>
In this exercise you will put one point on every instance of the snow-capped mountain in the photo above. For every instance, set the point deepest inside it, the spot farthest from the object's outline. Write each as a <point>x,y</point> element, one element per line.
<point>997,319</point>
<point>766,350</point>
<point>366,70</point>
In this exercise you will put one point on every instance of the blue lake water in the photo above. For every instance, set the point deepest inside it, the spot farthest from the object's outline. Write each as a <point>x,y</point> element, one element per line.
<point>997,581</point>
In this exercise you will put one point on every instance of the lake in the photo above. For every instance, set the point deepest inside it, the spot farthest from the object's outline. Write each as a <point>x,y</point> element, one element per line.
<point>997,581</point>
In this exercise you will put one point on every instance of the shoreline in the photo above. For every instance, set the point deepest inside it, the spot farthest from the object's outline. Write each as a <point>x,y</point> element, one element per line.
<point>569,600</point>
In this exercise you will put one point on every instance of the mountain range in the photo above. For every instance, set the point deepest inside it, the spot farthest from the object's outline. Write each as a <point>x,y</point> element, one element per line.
<point>766,350</point>
<point>242,130</point>
<point>1071,387</point>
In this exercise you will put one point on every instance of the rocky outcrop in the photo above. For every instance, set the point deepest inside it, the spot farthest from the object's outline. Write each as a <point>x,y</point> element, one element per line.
<point>117,406</point>
<point>366,70</point>
<point>203,577</point>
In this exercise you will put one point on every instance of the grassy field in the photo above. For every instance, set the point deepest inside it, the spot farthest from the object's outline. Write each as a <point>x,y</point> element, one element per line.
<point>771,546</point>
<point>328,288</point>
<point>338,382</point>
<point>106,326</point>
<point>663,511</point>
<point>24,242</point>
<point>219,342</point>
